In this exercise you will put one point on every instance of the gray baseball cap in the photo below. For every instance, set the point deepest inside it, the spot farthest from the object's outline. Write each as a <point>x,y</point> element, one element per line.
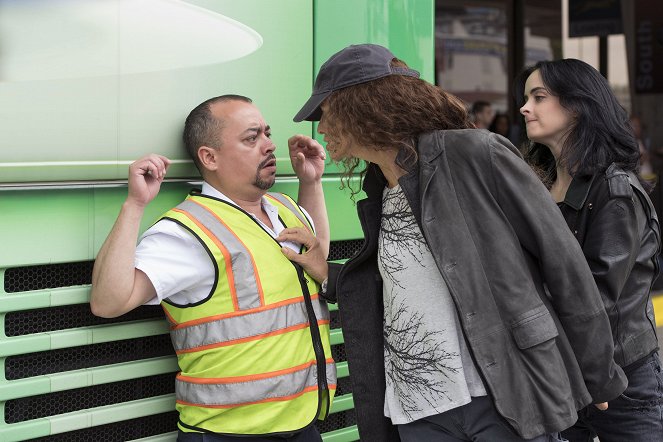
<point>353,65</point>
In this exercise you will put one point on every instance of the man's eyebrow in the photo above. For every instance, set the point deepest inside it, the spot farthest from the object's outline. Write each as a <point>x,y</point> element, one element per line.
<point>256,129</point>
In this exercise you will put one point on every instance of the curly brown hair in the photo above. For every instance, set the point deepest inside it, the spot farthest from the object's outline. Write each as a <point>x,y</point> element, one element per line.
<point>392,112</point>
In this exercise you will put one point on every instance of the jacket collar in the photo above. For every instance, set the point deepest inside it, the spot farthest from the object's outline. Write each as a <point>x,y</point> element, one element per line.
<point>578,190</point>
<point>374,182</point>
<point>434,143</point>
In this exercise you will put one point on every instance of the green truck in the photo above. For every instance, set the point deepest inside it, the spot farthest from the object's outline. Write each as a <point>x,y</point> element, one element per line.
<point>88,86</point>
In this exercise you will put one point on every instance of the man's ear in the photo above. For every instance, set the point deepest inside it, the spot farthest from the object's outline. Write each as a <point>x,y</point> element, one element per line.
<point>208,157</point>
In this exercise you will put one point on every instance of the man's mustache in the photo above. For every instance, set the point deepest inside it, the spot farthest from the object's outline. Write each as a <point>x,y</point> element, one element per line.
<point>269,159</point>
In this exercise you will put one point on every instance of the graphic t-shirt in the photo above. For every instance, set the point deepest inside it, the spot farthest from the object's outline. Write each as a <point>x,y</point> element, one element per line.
<point>428,367</point>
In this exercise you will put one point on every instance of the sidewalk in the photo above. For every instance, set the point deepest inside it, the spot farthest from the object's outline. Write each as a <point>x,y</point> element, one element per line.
<point>657,300</point>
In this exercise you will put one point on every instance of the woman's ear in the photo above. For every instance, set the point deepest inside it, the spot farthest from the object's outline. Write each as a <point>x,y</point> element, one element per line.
<point>208,157</point>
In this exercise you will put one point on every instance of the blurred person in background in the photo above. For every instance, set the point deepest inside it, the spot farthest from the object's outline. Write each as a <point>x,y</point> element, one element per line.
<point>500,125</point>
<point>646,169</point>
<point>482,114</point>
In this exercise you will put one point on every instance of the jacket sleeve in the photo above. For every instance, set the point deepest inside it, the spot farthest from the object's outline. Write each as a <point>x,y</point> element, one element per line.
<point>611,246</point>
<point>332,276</point>
<point>543,232</point>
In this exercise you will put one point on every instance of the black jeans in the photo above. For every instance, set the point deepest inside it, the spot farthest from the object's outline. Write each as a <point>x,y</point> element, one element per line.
<point>635,416</point>
<point>309,434</point>
<point>477,421</point>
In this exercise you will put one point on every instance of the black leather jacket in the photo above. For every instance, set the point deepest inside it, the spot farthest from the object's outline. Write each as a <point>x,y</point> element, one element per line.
<point>617,227</point>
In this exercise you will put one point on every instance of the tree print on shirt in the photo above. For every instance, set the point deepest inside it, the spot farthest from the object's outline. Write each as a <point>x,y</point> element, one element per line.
<point>399,235</point>
<point>412,352</point>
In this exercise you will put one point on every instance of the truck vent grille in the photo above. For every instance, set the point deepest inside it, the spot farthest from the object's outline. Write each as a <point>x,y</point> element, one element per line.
<point>48,276</point>
<point>337,420</point>
<point>26,322</point>
<point>97,355</point>
<point>34,407</point>
<point>344,249</point>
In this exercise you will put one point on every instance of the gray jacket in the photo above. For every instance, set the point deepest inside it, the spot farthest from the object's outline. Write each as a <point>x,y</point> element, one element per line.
<point>526,300</point>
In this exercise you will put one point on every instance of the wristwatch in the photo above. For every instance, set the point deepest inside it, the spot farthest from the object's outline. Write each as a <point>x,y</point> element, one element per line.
<point>323,287</point>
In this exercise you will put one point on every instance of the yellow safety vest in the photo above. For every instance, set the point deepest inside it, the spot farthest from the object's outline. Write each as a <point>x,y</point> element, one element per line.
<point>254,355</point>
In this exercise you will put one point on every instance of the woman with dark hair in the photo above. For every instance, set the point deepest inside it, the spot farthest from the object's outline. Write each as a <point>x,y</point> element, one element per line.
<point>449,332</point>
<point>500,124</point>
<point>586,153</point>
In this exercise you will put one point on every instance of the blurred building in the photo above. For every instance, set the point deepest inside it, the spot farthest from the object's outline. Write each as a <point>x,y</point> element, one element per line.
<point>473,49</point>
<point>481,45</point>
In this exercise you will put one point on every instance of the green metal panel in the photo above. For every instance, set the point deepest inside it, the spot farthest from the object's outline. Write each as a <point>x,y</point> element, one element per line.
<point>38,224</point>
<point>168,437</point>
<point>404,26</point>
<point>84,214</point>
<point>87,377</point>
<point>91,128</point>
<point>50,225</point>
<point>342,435</point>
<point>39,342</point>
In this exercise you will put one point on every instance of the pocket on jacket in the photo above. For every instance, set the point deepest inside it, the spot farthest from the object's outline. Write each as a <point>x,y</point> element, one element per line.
<point>534,327</point>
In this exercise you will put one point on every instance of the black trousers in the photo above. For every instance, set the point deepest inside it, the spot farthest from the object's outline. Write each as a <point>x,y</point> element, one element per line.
<point>309,434</point>
<point>477,421</point>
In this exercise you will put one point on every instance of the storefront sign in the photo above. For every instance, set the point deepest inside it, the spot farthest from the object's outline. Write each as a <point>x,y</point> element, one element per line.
<point>648,47</point>
<point>595,18</point>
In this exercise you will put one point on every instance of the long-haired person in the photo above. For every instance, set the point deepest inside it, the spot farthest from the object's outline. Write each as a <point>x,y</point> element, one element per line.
<point>586,152</point>
<point>449,332</point>
<point>500,124</point>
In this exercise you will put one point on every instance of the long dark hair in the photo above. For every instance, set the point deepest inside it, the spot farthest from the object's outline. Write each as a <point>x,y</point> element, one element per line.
<point>600,133</point>
<point>500,116</point>
<point>392,112</point>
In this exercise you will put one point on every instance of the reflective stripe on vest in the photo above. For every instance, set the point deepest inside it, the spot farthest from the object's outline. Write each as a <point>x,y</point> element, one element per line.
<point>250,354</point>
<point>227,329</point>
<point>290,205</point>
<point>245,390</point>
<point>244,284</point>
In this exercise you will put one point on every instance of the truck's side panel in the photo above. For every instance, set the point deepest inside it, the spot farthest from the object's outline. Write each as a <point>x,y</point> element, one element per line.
<point>66,375</point>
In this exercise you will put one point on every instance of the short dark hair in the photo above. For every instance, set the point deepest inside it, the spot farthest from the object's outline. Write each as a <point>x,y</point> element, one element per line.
<point>201,128</point>
<point>479,106</point>
<point>600,133</point>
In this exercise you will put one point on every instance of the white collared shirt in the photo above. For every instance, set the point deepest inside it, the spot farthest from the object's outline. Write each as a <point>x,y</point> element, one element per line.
<point>177,264</point>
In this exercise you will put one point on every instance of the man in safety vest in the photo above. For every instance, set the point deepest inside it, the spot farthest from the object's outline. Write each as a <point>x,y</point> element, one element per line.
<point>249,328</point>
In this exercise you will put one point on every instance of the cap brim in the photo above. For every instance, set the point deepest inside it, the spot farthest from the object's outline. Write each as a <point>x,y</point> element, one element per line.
<point>311,110</point>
